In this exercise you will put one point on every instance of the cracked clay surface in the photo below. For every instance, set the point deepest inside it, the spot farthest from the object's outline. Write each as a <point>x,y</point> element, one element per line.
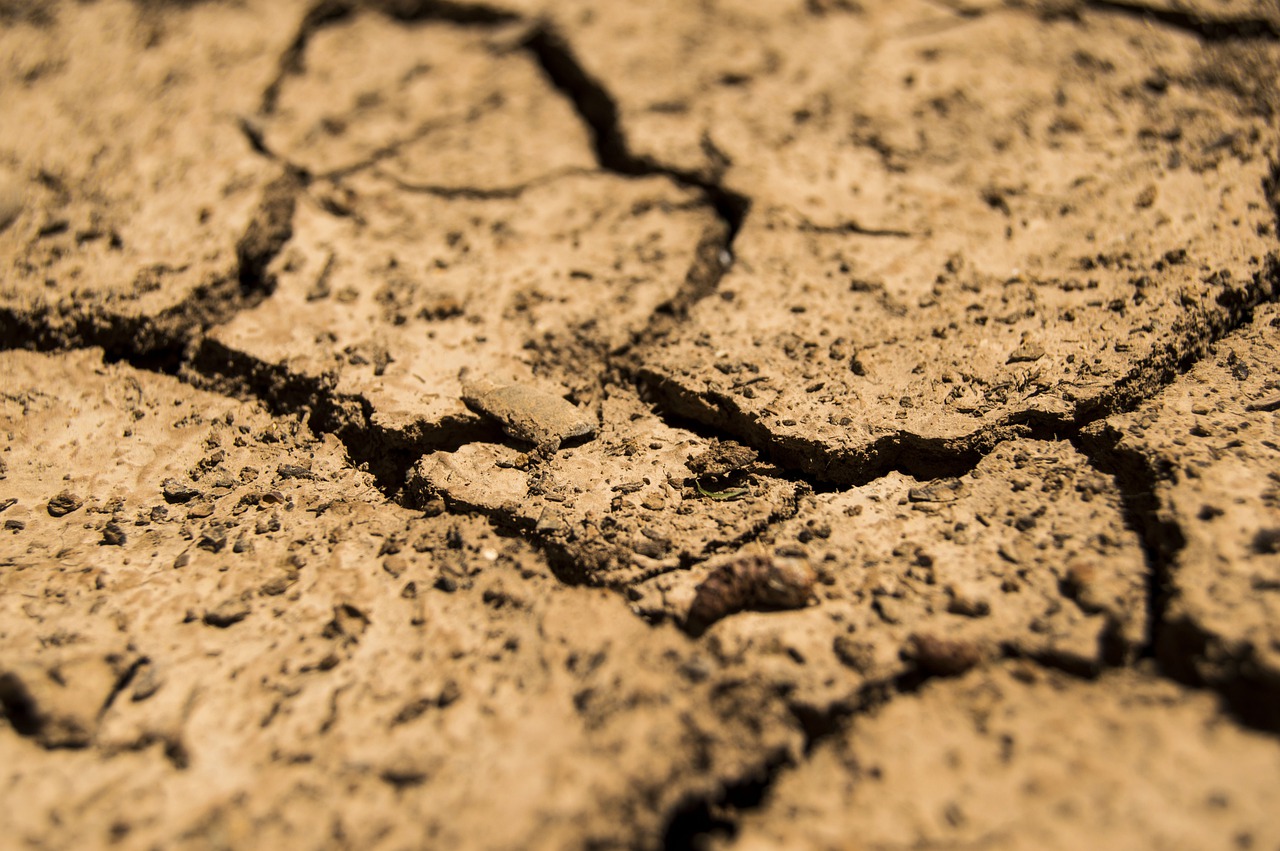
<point>806,424</point>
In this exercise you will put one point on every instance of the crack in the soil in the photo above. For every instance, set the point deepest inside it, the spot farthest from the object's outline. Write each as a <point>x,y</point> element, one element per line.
<point>598,110</point>
<point>931,458</point>
<point>717,816</point>
<point>324,13</point>
<point>582,560</point>
<point>1207,27</point>
<point>1250,695</point>
<point>159,343</point>
<point>386,455</point>
<point>122,682</point>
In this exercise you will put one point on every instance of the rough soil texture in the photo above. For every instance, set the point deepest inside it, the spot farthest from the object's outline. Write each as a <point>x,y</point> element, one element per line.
<point>808,424</point>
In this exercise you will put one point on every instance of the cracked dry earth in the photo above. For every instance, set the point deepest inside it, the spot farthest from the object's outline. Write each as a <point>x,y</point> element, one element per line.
<point>729,425</point>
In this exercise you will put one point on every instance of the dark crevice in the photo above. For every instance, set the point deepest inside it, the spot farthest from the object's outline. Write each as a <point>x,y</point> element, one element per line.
<point>854,228</point>
<point>385,454</point>
<point>159,343</point>
<point>1182,650</point>
<point>1137,479</point>
<point>324,13</point>
<point>716,817</point>
<point>599,112</point>
<point>444,10</point>
<point>930,458</point>
<point>1205,27</point>
<point>19,707</point>
<point>705,818</point>
<point>257,139</point>
<point>122,682</point>
<point>824,469</point>
<point>150,344</point>
<point>269,230</point>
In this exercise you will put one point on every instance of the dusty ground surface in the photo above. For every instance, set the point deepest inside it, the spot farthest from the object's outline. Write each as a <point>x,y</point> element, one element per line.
<point>808,424</point>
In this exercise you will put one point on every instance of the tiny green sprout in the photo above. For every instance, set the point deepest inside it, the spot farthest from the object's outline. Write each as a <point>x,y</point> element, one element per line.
<point>730,493</point>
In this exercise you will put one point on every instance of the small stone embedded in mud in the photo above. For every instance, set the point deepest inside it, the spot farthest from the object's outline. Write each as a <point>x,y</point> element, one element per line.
<point>755,581</point>
<point>293,471</point>
<point>5,504</point>
<point>527,413</point>
<point>176,492</point>
<point>63,504</point>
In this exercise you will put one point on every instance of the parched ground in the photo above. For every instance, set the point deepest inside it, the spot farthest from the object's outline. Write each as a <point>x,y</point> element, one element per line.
<point>734,424</point>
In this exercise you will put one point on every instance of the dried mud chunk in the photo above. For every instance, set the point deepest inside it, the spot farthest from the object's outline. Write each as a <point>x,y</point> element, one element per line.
<point>377,90</point>
<point>228,613</point>
<point>63,504</point>
<point>515,265</point>
<point>946,657</point>
<point>722,457</point>
<point>754,581</point>
<point>113,534</point>
<point>176,492</point>
<point>527,413</point>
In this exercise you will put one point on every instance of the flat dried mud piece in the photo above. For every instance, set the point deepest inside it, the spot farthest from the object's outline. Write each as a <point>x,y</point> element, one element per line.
<point>1028,555</point>
<point>136,182</point>
<point>616,510</point>
<point>437,106</point>
<point>545,419</point>
<point>354,667</point>
<point>1017,757</point>
<point>1042,252</point>
<point>388,304</point>
<point>1205,454</point>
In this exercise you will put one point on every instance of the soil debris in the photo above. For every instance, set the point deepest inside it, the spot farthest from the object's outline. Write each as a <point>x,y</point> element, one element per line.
<point>527,413</point>
<point>63,504</point>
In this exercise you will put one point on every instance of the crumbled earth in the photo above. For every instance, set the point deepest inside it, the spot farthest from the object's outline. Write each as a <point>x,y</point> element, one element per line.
<point>814,424</point>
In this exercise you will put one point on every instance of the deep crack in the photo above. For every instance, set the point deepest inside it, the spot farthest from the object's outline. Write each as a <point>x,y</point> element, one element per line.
<point>598,110</point>
<point>1209,28</point>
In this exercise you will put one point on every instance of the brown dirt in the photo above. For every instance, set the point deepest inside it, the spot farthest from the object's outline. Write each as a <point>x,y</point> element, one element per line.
<point>811,424</point>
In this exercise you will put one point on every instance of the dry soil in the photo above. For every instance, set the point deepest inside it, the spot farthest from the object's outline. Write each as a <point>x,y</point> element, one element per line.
<point>726,424</point>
